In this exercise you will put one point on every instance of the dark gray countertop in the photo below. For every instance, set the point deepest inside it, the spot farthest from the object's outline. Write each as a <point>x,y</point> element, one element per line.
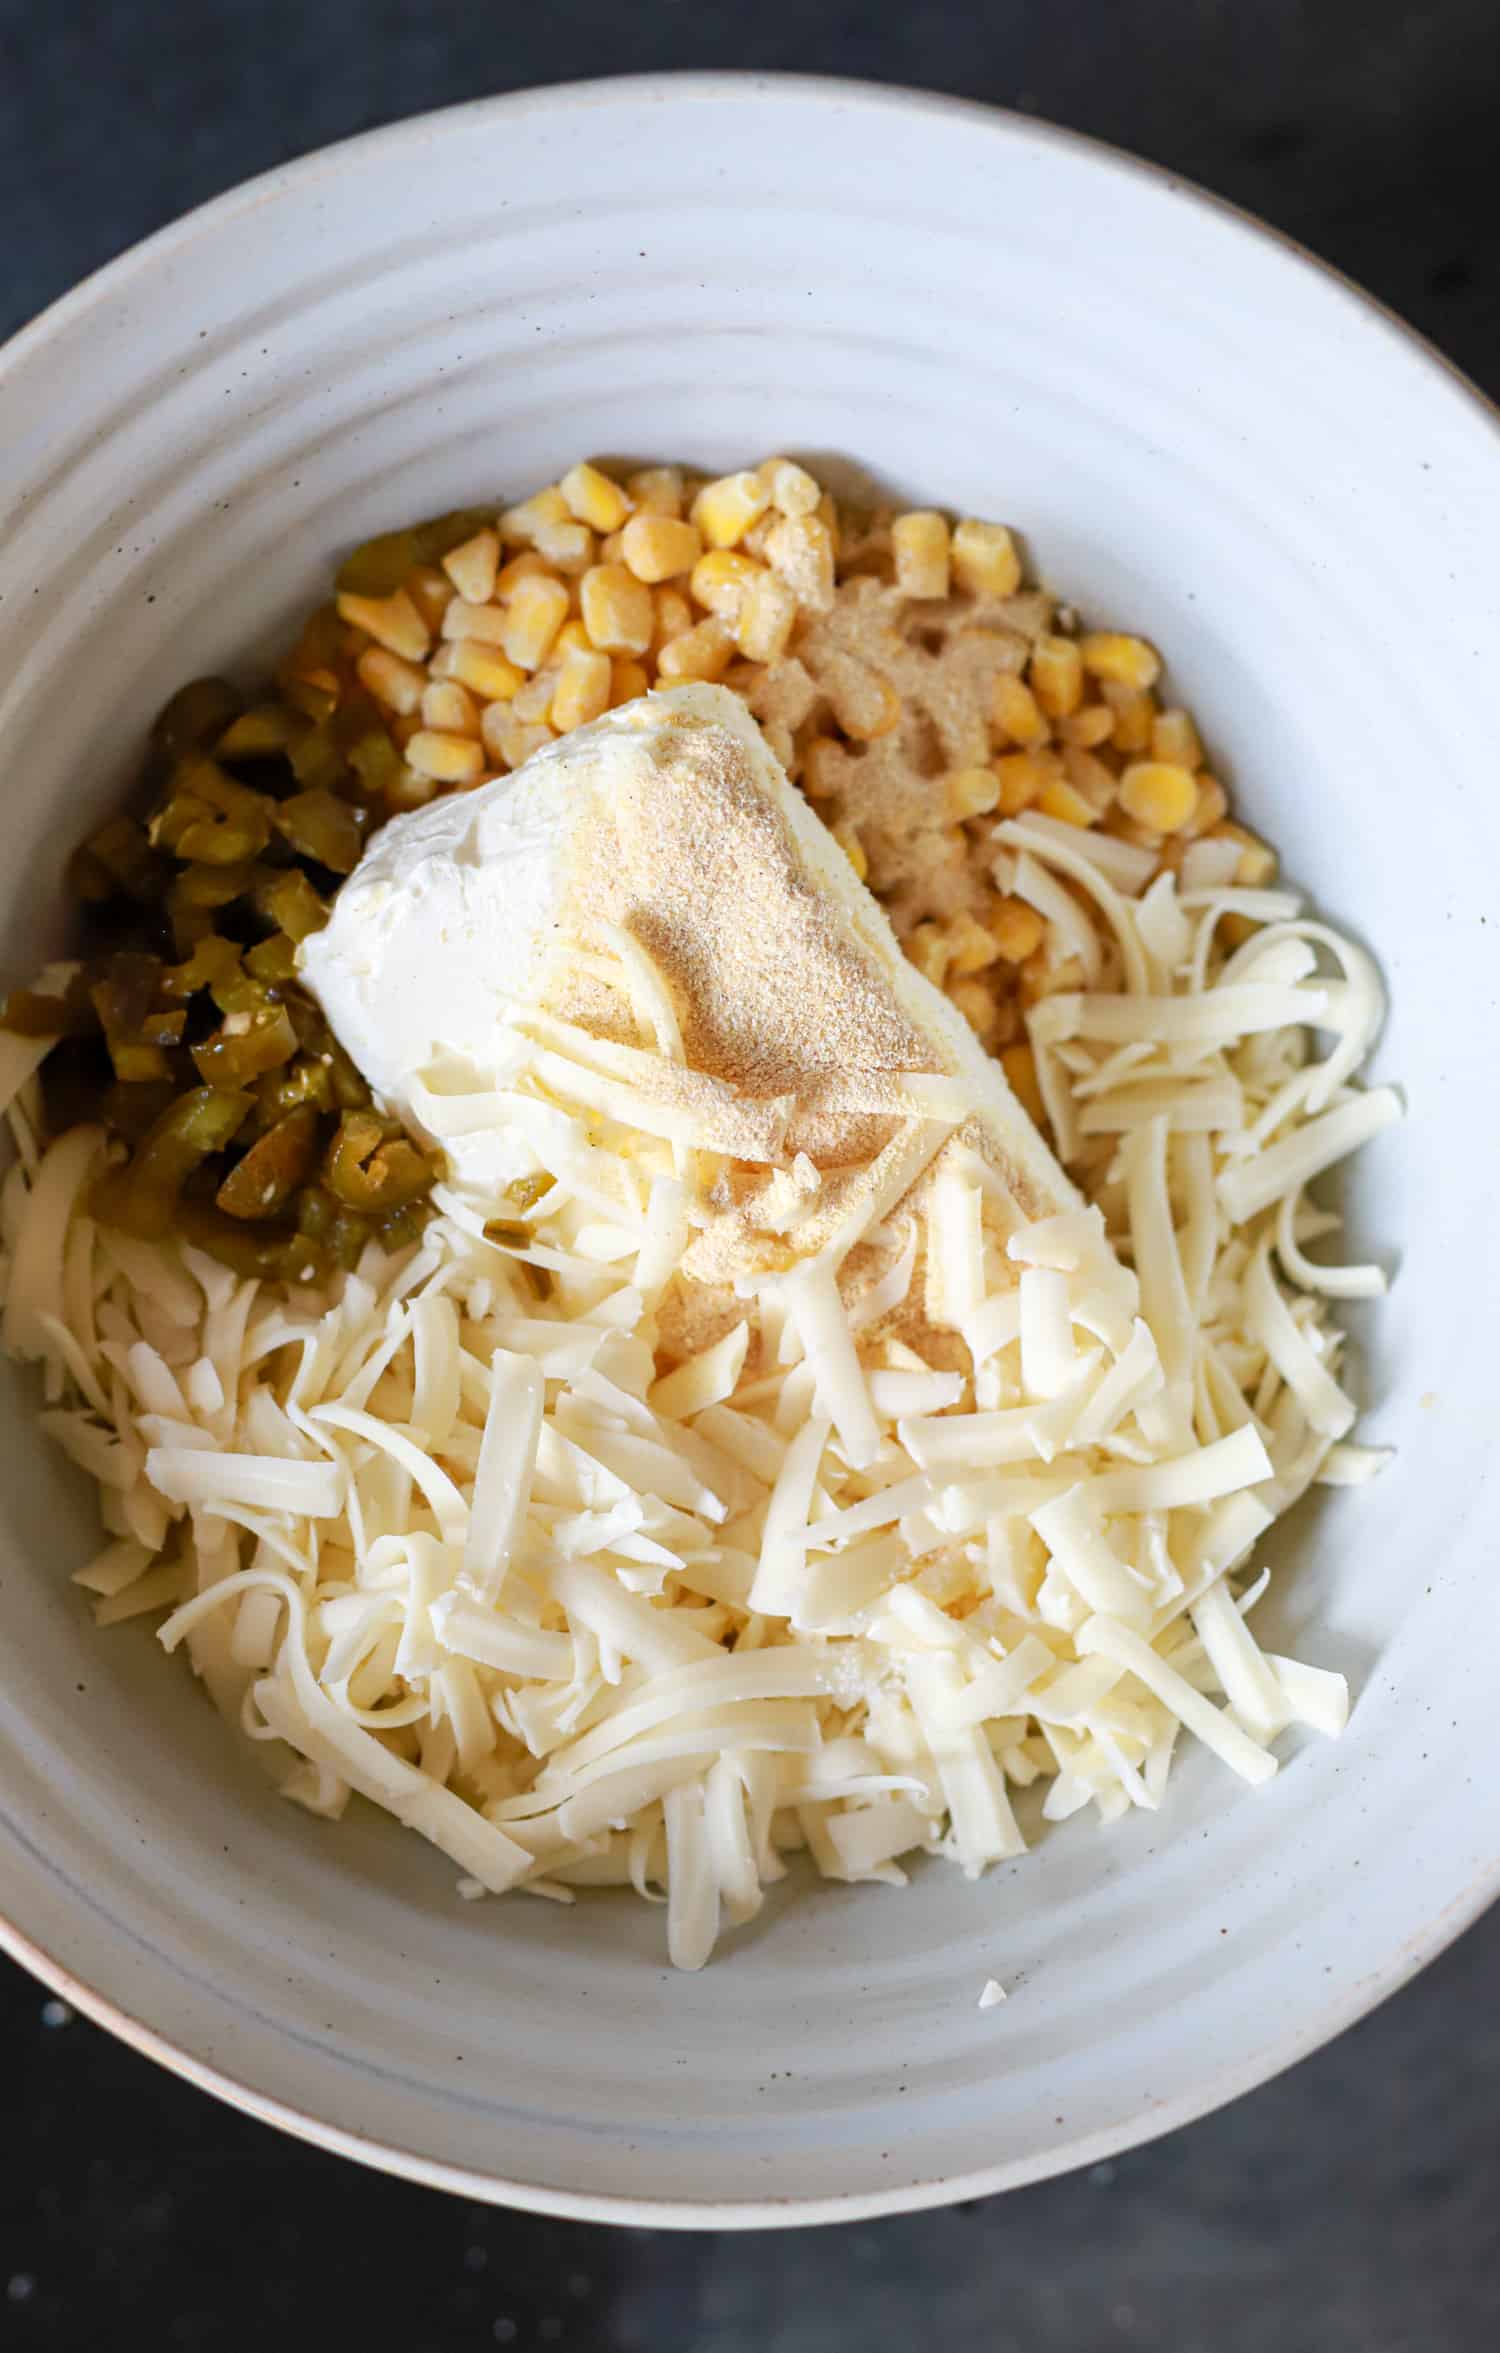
<point>1353,2206</point>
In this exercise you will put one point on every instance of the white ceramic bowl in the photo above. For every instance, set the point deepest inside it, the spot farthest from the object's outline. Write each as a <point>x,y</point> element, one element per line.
<point>1204,436</point>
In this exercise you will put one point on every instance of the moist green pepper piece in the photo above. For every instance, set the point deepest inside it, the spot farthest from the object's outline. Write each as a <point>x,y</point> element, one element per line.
<point>368,1168</point>
<point>318,760</point>
<point>212,886</point>
<point>257,1042</point>
<point>376,762</point>
<point>209,816</point>
<point>213,960</point>
<point>130,1110</point>
<point>404,1225</point>
<point>347,1237</point>
<point>264,1179</point>
<point>304,1081</point>
<point>117,861</point>
<point>144,1198</point>
<point>322,828</point>
<point>278,1255</point>
<point>525,1192</point>
<point>136,1030</point>
<point>266,732</point>
<point>238,992</point>
<point>380,565</point>
<point>289,901</point>
<point>316,1211</point>
<point>508,1231</point>
<point>195,716</point>
<point>274,960</point>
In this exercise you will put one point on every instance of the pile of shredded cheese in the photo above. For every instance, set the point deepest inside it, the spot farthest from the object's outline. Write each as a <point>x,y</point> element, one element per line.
<point>443,1535</point>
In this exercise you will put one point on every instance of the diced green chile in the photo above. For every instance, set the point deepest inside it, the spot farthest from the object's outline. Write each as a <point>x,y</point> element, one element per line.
<point>321,827</point>
<point>234,1057</point>
<point>263,1180</point>
<point>371,1168</point>
<point>144,1198</point>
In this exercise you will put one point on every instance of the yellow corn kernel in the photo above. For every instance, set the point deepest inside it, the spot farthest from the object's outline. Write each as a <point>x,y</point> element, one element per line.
<point>702,652</point>
<point>1158,795</point>
<point>801,549</point>
<point>847,837</point>
<point>928,948</point>
<point>1019,1065</point>
<point>971,792</point>
<point>484,623</point>
<point>1257,866</point>
<point>673,614</point>
<point>724,510</point>
<point>1057,676</point>
<point>1022,776</point>
<point>592,498</point>
<point>1211,807</point>
<point>971,948</point>
<point>451,759</point>
<point>986,560</point>
<point>533,701</point>
<point>484,670</point>
<point>720,581</point>
<point>507,739</point>
<point>920,545</point>
<point>571,634</point>
<point>782,742</point>
<point>522,523</point>
<point>391,681</point>
<point>1125,829</point>
<point>976,1003</point>
<point>627,680</point>
<point>1175,738</point>
<point>535,610</point>
<point>828,516</point>
<point>766,619</point>
<point>825,768</point>
<point>1058,798</point>
<point>617,610</point>
<point>472,566</point>
<point>1088,728</point>
<point>568,547</point>
<point>449,709</point>
<point>393,621</point>
<point>660,547</point>
<point>1089,776</point>
<point>409,790</point>
<point>582,690</point>
<point>612,548</point>
<point>520,567</point>
<point>865,705</point>
<point>1017,930</point>
<point>1135,718</point>
<point>429,589</point>
<point>656,490</point>
<point>792,489</point>
<point>1015,712</point>
<point>1129,661</point>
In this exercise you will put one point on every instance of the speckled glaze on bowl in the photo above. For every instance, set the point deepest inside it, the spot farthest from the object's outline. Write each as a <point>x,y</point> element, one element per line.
<point>1204,436</point>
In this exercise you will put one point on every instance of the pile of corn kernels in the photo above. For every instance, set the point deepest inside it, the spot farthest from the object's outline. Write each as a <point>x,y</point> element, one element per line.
<point>909,680</point>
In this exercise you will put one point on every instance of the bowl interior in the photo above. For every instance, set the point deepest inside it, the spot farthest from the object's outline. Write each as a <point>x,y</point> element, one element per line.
<point>1202,437</point>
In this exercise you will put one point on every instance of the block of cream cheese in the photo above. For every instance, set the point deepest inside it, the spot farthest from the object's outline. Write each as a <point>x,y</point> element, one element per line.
<point>669,823</point>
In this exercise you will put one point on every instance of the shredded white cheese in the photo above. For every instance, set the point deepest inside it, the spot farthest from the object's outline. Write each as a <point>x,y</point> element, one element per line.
<point>586,1612</point>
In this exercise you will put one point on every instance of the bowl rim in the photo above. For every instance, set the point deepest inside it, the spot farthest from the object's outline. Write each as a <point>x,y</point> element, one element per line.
<point>1372,1986</point>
